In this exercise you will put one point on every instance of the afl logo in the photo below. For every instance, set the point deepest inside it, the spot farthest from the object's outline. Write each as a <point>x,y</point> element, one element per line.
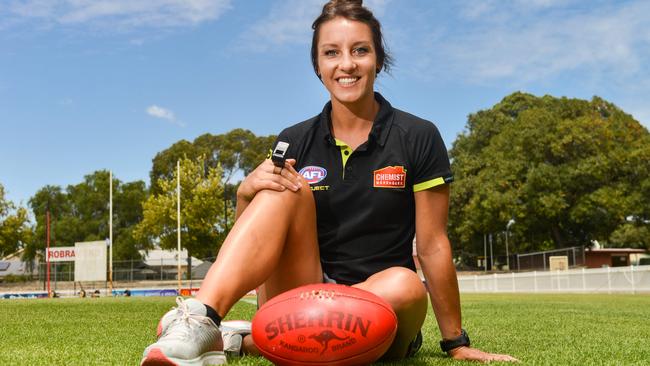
<point>313,174</point>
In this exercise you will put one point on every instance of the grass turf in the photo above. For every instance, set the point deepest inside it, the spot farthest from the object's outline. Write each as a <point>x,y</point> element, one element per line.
<point>537,329</point>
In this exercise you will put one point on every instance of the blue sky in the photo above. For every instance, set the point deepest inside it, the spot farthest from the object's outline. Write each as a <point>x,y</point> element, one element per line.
<point>98,84</point>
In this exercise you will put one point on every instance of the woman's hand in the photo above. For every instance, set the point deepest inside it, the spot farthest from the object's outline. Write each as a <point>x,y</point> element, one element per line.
<point>265,177</point>
<point>473,354</point>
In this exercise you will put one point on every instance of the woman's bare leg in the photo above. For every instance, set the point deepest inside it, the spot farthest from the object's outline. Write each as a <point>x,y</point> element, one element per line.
<point>404,291</point>
<point>273,242</point>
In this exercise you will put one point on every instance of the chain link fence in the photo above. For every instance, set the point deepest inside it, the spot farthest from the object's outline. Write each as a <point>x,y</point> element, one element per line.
<point>539,260</point>
<point>132,270</point>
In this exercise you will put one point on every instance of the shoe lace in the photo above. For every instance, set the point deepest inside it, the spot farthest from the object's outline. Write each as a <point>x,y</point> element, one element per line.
<point>183,324</point>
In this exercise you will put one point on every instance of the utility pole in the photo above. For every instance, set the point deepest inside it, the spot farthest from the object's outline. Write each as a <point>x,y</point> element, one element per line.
<point>178,220</point>
<point>47,250</point>
<point>110,232</point>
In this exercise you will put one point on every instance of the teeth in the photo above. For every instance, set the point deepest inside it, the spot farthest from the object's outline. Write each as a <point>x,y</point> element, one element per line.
<point>348,80</point>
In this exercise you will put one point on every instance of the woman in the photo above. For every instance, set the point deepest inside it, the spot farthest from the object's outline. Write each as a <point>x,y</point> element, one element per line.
<point>370,178</point>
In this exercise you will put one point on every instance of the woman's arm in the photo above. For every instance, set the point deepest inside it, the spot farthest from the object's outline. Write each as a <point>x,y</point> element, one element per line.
<point>434,254</point>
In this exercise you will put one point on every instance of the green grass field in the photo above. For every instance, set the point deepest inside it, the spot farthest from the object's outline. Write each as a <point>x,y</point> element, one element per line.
<point>537,329</point>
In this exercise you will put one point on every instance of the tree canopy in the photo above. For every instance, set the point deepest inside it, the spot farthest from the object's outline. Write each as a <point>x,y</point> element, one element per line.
<point>15,231</point>
<point>203,223</point>
<point>568,171</point>
<point>236,151</point>
<point>81,213</point>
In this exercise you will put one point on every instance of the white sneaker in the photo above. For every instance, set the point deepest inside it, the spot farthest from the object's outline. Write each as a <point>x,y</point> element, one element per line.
<point>187,338</point>
<point>233,333</point>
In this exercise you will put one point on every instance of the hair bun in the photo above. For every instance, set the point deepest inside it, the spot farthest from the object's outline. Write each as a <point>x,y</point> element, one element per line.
<point>339,3</point>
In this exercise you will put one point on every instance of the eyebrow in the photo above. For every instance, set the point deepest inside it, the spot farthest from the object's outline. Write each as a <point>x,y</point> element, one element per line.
<point>360,43</point>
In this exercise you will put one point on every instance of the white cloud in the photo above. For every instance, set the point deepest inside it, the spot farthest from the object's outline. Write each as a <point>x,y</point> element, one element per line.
<point>513,46</point>
<point>163,113</point>
<point>289,22</point>
<point>116,13</point>
<point>500,9</point>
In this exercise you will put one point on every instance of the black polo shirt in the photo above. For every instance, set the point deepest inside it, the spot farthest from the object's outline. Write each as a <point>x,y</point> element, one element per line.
<point>365,198</point>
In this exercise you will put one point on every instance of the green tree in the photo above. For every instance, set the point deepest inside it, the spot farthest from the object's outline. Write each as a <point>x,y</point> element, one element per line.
<point>567,170</point>
<point>164,164</point>
<point>15,230</point>
<point>632,235</point>
<point>238,151</point>
<point>56,200</point>
<point>81,213</point>
<point>127,213</point>
<point>202,220</point>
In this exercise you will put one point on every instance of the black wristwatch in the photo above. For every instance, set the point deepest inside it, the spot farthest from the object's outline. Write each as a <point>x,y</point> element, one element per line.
<point>450,344</point>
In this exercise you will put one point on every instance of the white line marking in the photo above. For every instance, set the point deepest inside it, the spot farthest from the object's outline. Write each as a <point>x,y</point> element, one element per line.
<point>249,301</point>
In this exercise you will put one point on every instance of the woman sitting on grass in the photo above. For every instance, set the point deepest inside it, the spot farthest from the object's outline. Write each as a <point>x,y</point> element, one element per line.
<point>376,176</point>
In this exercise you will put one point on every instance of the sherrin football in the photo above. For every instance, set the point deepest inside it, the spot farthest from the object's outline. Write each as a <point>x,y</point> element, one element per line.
<point>324,324</point>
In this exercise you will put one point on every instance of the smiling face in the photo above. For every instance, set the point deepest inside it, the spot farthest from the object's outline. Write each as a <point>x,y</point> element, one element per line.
<point>347,61</point>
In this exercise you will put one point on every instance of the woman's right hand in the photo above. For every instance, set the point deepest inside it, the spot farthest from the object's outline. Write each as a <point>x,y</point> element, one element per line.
<point>473,354</point>
<point>265,177</point>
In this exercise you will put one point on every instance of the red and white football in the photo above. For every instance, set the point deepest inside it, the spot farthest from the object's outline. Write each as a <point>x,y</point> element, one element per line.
<point>324,324</point>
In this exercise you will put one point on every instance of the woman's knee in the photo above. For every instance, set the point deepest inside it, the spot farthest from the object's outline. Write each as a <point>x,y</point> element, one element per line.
<point>399,286</point>
<point>288,199</point>
<point>404,291</point>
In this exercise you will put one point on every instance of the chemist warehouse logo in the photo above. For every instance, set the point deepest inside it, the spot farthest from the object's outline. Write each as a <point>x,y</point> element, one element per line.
<point>390,177</point>
<point>313,174</point>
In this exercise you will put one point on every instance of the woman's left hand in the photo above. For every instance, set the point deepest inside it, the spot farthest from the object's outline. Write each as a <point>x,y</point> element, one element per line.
<point>473,354</point>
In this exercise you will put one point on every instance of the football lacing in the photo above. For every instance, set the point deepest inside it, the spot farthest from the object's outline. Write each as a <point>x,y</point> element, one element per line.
<point>317,294</point>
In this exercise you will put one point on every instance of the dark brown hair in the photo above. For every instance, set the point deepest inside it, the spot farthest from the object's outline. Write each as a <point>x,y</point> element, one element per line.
<point>352,10</point>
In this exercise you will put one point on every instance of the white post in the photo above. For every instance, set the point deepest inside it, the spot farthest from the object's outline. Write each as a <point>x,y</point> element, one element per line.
<point>508,225</point>
<point>178,220</point>
<point>110,231</point>
<point>632,275</point>
<point>507,253</point>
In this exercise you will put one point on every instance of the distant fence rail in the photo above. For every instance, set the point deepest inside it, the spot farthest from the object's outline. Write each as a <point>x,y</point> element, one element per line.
<point>632,279</point>
<point>130,270</point>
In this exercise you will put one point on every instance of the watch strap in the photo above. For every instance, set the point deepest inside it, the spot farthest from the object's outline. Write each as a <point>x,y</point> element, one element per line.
<point>449,344</point>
